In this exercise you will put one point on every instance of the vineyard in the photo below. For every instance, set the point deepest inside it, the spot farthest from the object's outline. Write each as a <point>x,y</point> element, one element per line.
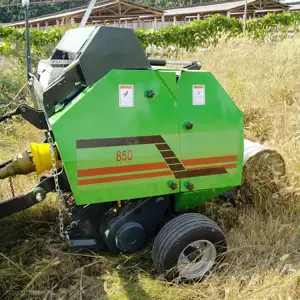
<point>263,262</point>
<point>195,34</point>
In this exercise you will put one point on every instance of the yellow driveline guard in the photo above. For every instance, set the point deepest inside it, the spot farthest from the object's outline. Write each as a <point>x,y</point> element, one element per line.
<point>41,157</point>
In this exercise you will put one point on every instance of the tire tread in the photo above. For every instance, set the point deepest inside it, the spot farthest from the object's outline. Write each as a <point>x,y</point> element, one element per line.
<point>174,230</point>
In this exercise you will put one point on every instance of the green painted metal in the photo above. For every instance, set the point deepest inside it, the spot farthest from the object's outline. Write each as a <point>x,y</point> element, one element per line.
<point>190,200</point>
<point>218,129</point>
<point>96,114</point>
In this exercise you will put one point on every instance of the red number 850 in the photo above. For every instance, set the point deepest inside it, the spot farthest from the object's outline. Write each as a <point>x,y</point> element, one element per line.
<point>124,155</point>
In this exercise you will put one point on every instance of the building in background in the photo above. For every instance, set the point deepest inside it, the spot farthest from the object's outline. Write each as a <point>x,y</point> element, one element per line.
<point>131,15</point>
<point>255,8</point>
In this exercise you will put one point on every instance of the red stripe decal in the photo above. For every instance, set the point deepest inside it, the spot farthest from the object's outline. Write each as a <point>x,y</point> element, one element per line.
<point>124,177</point>
<point>232,166</point>
<point>121,169</point>
<point>210,160</point>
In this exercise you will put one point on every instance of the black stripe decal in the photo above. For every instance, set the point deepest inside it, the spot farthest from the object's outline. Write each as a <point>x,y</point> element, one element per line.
<point>172,161</point>
<point>112,142</point>
<point>198,173</point>
<point>163,147</point>
<point>169,156</point>
<point>177,167</point>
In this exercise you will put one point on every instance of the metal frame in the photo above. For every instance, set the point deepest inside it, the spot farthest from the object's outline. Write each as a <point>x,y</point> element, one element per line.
<point>38,194</point>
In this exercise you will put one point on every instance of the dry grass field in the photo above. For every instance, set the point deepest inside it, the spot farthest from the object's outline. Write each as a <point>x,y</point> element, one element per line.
<point>263,261</point>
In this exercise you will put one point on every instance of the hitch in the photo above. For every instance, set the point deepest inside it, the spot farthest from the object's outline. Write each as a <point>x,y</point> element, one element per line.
<point>34,116</point>
<point>22,202</point>
<point>37,160</point>
<point>37,195</point>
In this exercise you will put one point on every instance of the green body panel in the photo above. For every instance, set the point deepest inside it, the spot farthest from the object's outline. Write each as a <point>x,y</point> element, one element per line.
<point>218,129</point>
<point>190,200</point>
<point>96,114</point>
<point>96,173</point>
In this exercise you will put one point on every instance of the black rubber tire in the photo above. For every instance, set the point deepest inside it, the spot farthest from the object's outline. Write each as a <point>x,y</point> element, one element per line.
<point>177,234</point>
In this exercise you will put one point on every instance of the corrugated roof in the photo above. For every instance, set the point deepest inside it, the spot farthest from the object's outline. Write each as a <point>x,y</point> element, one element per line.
<point>205,8</point>
<point>82,9</point>
<point>295,7</point>
<point>292,2</point>
<point>64,13</point>
<point>212,7</point>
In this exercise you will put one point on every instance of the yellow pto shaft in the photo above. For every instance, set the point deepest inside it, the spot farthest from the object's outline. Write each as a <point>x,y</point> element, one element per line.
<point>37,160</point>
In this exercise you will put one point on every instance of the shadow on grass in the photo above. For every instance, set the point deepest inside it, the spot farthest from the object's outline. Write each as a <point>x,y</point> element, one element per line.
<point>132,286</point>
<point>131,271</point>
<point>36,264</point>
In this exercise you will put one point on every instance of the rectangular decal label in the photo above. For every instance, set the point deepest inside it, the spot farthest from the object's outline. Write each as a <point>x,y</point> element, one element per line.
<point>198,94</point>
<point>126,96</point>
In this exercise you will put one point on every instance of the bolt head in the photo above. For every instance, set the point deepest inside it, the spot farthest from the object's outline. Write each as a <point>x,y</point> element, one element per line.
<point>190,186</point>
<point>150,94</point>
<point>173,185</point>
<point>39,197</point>
<point>189,125</point>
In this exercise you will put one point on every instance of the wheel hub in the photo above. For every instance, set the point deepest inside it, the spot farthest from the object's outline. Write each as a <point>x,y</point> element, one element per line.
<point>196,259</point>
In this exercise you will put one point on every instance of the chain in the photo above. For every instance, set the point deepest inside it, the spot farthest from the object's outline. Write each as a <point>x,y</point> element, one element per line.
<point>59,194</point>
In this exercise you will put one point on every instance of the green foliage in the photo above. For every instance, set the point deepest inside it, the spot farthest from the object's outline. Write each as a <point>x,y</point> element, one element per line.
<point>197,33</point>
<point>201,33</point>
<point>261,27</point>
<point>207,32</point>
<point>40,40</point>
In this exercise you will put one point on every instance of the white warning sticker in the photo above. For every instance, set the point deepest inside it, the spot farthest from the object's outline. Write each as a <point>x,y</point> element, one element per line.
<point>126,95</point>
<point>199,94</point>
